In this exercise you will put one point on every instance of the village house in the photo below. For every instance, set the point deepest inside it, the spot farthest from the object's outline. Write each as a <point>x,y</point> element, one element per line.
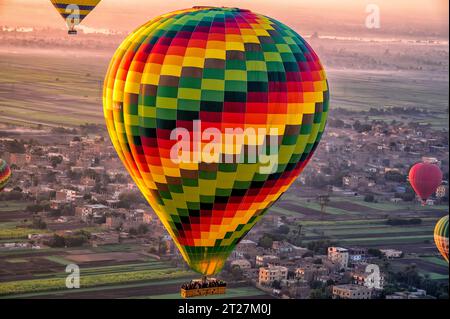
<point>241,263</point>
<point>339,256</point>
<point>366,275</point>
<point>267,275</point>
<point>310,272</point>
<point>350,291</point>
<point>91,213</point>
<point>105,238</point>
<point>264,260</point>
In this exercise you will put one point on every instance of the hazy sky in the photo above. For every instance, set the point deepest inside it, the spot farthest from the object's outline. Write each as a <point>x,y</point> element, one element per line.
<point>326,16</point>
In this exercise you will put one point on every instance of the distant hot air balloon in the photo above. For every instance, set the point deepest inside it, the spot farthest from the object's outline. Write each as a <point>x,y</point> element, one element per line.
<point>425,179</point>
<point>74,11</point>
<point>5,174</point>
<point>230,69</point>
<point>441,236</point>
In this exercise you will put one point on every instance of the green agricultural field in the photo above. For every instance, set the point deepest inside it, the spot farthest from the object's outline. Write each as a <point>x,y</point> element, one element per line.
<point>54,284</point>
<point>313,205</point>
<point>12,206</point>
<point>19,233</point>
<point>8,225</point>
<point>282,211</point>
<point>314,228</point>
<point>349,227</point>
<point>388,206</point>
<point>63,91</point>
<point>378,231</point>
<point>101,288</point>
<point>435,260</point>
<point>359,90</point>
<point>343,222</point>
<point>72,85</point>
<point>93,229</point>
<point>114,248</point>
<point>16,261</point>
<point>435,276</point>
<point>387,240</point>
<point>28,251</point>
<point>366,230</point>
<point>151,265</point>
<point>59,260</point>
<point>23,240</point>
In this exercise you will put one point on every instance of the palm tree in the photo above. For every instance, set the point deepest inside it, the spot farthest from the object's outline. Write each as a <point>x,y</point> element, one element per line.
<point>298,234</point>
<point>323,201</point>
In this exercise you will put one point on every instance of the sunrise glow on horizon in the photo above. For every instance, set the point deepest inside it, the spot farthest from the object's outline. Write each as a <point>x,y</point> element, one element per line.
<point>321,15</point>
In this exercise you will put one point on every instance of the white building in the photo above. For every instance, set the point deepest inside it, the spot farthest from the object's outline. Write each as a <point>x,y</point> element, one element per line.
<point>369,276</point>
<point>431,160</point>
<point>392,253</point>
<point>442,191</point>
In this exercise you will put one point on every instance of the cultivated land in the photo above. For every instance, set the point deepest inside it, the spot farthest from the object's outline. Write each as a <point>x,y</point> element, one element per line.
<point>57,88</point>
<point>356,90</point>
<point>110,271</point>
<point>54,89</point>
<point>358,223</point>
<point>126,271</point>
<point>51,90</point>
<point>352,220</point>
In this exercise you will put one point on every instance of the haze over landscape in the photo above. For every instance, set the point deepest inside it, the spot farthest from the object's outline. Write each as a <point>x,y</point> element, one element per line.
<point>405,17</point>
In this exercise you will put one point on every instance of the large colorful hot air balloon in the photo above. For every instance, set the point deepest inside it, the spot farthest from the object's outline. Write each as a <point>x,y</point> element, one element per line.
<point>230,69</point>
<point>74,11</point>
<point>441,236</point>
<point>5,174</point>
<point>425,179</point>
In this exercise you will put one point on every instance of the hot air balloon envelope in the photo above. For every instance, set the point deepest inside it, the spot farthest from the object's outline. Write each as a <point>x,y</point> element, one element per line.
<point>441,236</point>
<point>5,174</point>
<point>425,179</point>
<point>74,11</point>
<point>220,69</point>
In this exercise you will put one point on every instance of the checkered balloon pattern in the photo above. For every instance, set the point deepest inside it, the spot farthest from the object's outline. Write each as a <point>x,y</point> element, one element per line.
<point>5,174</point>
<point>441,236</point>
<point>228,68</point>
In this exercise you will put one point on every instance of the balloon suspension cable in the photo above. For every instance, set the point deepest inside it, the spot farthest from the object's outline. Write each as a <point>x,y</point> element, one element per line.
<point>72,25</point>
